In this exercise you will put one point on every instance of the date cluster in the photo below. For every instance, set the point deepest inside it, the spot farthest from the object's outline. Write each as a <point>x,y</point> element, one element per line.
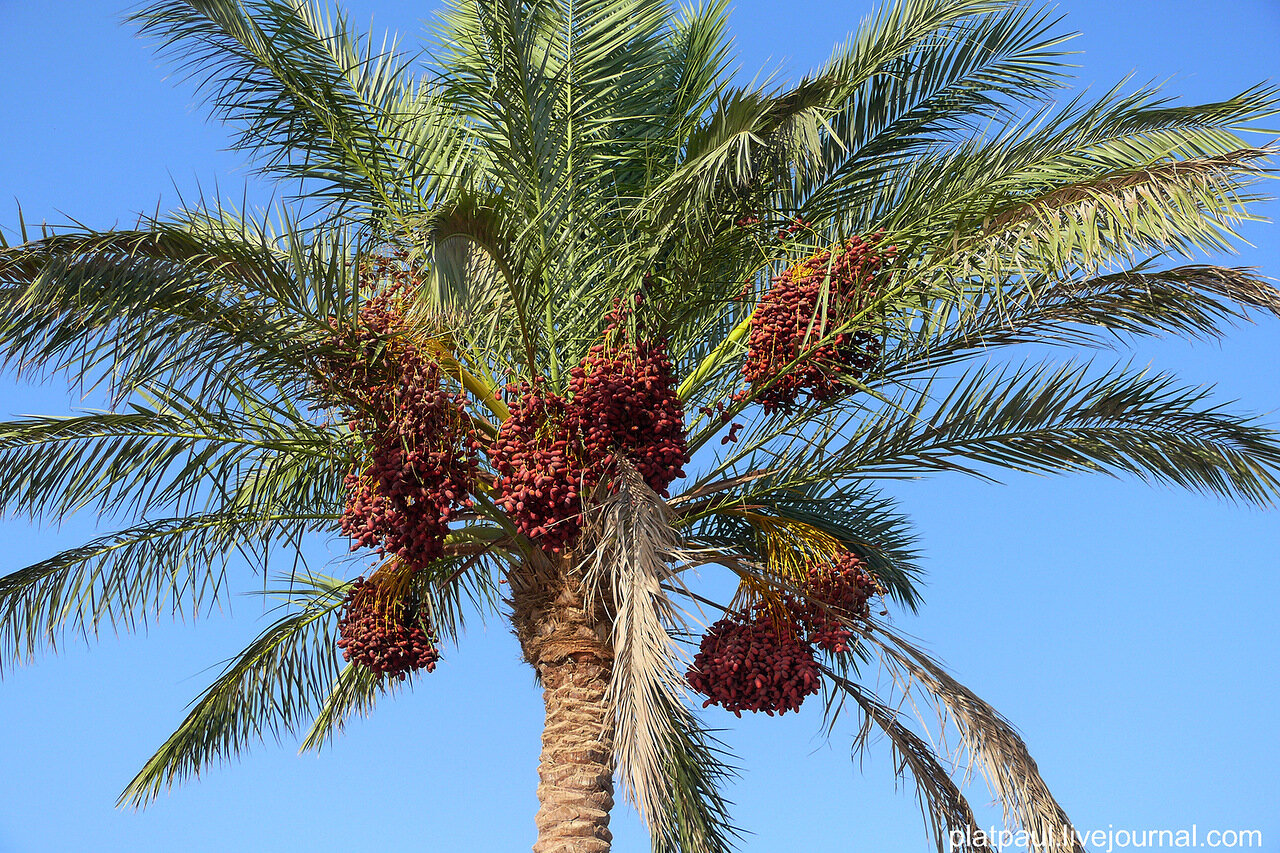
<point>553,451</point>
<point>765,659</point>
<point>793,346</point>
<point>383,629</point>
<point>421,456</point>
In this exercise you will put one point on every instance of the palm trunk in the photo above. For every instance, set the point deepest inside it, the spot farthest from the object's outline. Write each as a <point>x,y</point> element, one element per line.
<point>575,773</point>
<point>568,644</point>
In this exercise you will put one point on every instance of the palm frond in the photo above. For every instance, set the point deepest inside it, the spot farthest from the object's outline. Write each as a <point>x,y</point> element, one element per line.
<point>921,75</point>
<point>314,101</point>
<point>173,304</point>
<point>1175,206</point>
<point>145,459</point>
<point>1098,175</point>
<point>1196,301</point>
<point>1064,419</point>
<point>945,809</point>
<point>697,64</point>
<point>354,692</point>
<point>857,520</point>
<point>446,589</point>
<point>993,747</point>
<point>465,580</point>
<point>697,815</point>
<point>630,562</point>
<point>120,580</point>
<point>272,687</point>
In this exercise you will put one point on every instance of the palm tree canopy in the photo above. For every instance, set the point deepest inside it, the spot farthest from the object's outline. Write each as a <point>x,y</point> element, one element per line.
<point>545,187</point>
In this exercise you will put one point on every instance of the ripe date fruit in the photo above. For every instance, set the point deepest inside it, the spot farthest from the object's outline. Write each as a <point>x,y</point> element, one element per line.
<point>791,348</point>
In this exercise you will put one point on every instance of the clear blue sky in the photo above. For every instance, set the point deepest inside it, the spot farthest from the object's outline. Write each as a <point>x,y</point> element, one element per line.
<point>1129,632</point>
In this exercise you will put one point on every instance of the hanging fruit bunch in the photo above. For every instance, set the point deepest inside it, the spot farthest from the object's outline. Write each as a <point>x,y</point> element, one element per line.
<point>421,456</point>
<point>836,591</point>
<point>421,466</point>
<point>623,401</point>
<point>755,662</point>
<point>553,451</point>
<point>542,468</point>
<point>384,629</point>
<point>795,320</point>
<point>764,659</point>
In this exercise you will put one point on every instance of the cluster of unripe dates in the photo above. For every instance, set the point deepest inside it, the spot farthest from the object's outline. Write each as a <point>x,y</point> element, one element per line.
<point>383,628</point>
<point>764,659</point>
<point>793,348</point>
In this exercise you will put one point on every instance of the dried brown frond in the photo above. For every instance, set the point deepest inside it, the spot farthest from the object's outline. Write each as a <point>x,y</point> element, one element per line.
<point>945,809</point>
<point>633,549</point>
<point>989,741</point>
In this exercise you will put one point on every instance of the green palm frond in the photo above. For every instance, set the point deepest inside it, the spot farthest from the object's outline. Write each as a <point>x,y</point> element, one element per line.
<point>145,459</point>
<point>447,589</point>
<point>443,589</point>
<point>693,72</point>
<point>272,687</point>
<point>697,819</point>
<point>922,75</point>
<point>354,692</point>
<point>1176,206</point>
<point>540,165</point>
<point>176,566</point>
<point>1127,157</point>
<point>466,579</point>
<point>173,305</point>
<point>1195,301</point>
<point>860,520</point>
<point>1038,418</point>
<point>553,93</point>
<point>314,102</point>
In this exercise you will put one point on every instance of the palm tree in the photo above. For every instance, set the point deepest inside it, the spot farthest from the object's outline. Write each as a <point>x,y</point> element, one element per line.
<point>526,282</point>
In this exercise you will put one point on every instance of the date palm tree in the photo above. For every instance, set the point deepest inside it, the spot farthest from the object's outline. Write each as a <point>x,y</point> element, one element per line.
<point>552,176</point>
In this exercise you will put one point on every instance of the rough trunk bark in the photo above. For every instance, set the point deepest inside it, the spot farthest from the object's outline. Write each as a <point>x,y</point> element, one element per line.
<point>568,644</point>
<point>575,772</point>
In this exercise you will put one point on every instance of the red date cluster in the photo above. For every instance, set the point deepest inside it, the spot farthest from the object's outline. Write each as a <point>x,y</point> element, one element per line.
<point>422,455</point>
<point>552,451</point>
<point>835,591</point>
<point>421,468</point>
<point>384,632</point>
<point>795,319</point>
<point>755,662</point>
<point>623,401</point>
<point>541,468</point>
<point>764,659</point>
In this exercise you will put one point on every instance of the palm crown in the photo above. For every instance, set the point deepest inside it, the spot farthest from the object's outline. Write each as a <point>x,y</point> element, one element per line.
<point>562,307</point>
